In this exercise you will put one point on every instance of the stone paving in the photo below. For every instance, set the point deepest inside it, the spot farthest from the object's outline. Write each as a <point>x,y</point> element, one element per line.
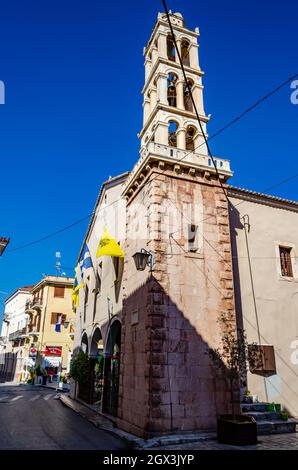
<point>271,442</point>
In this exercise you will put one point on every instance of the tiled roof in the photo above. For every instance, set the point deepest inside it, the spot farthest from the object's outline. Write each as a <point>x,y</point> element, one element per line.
<point>262,195</point>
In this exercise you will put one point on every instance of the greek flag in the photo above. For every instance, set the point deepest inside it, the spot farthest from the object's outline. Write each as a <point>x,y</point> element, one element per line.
<point>86,261</point>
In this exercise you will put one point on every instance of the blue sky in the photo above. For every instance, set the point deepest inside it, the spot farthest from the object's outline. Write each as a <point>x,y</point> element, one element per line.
<point>71,68</point>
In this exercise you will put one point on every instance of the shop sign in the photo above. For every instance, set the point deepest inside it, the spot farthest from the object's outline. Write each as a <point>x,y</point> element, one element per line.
<point>53,351</point>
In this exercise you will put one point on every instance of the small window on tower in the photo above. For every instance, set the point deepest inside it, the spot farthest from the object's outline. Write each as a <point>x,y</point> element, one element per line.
<point>171,48</point>
<point>192,238</point>
<point>187,97</point>
<point>286,261</point>
<point>190,138</point>
<point>173,126</point>
<point>172,93</point>
<point>185,52</point>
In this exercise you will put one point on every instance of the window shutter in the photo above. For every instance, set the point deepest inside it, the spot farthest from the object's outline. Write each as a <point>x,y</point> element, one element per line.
<point>53,318</point>
<point>63,319</point>
<point>59,292</point>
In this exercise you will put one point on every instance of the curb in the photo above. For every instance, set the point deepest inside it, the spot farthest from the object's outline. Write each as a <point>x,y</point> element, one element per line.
<point>132,441</point>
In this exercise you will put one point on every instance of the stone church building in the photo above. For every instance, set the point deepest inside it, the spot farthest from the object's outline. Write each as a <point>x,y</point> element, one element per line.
<point>148,332</point>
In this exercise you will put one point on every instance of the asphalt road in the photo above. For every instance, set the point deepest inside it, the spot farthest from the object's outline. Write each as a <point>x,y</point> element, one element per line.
<point>31,418</point>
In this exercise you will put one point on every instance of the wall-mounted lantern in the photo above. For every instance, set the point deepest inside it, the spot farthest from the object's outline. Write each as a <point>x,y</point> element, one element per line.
<point>144,258</point>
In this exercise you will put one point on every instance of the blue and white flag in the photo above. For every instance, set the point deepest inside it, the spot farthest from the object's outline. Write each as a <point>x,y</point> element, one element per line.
<point>86,261</point>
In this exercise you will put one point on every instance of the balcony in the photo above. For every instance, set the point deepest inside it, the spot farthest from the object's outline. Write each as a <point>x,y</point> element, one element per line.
<point>33,305</point>
<point>181,157</point>
<point>36,303</point>
<point>19,334</point>
<point>33,330</point>
<point>15,335</point>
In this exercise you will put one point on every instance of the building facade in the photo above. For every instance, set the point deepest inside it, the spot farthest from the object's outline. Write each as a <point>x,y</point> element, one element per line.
<point>38,330</point>
<point>51,324</point>
<point>148,333</point>
<point>14,347</point>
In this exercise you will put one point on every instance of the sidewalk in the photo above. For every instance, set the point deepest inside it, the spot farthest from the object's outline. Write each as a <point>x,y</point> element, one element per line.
<point>183,442</point>
<point>132,441</point>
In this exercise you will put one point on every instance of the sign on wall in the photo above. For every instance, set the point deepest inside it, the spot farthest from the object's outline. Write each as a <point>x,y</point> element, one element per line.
<point>53,351</point>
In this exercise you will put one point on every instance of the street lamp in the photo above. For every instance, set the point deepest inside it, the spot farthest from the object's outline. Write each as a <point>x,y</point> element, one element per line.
<point>3,244</point>
<point>144,258</point>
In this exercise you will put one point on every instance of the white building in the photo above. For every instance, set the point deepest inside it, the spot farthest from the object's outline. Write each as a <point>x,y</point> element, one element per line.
<point>12,340</point>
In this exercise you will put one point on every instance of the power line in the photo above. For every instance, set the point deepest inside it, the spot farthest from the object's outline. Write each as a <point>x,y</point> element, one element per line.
<point>50,235</point>
<point>226,126</point>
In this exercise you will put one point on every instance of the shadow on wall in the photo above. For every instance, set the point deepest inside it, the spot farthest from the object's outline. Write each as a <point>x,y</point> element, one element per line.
<point>151,368</point>
<point>168,382</point>
<point>272,385</point>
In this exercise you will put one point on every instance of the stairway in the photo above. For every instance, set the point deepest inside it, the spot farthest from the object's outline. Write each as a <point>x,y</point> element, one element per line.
<point>268,422</point>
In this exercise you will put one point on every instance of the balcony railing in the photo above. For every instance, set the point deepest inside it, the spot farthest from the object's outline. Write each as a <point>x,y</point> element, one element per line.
<point>19,334</point>
<point>34,304</point>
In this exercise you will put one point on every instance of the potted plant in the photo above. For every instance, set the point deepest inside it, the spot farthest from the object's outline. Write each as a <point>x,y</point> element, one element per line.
<point>284,415</point>
<point>231,362</point>
<point>248,398</point>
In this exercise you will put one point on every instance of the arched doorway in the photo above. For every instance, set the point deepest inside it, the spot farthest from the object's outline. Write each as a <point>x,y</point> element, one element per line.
<point>97,367</point>
<point>112,369</point>
<point>84,343</point>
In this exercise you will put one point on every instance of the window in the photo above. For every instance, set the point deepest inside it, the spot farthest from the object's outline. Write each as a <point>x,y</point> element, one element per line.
<point>171,93</point>
<point>59,292</point>
<point>192,238</point>
<point>187,97</point>
<point>171,48</point>
<point>190,138</point>
<point>57,318</point>
<point>185,52</point>
<point>173,126</point>
<point>86,302</point>
<point>285,261</point>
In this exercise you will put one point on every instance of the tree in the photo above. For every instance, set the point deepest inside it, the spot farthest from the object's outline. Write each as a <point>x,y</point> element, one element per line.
<point>79,368</point>
<point>234,356</point>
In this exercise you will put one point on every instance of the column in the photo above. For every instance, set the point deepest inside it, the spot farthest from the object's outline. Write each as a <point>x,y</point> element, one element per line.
<point>162,45</point>
<point>154,54</point>
<point>146,110</point>
<point>178,41</point>
<point>194,56</point>
<point>162,88</point>
<point>200,145</point>
<point>181,138</point>
<point>180,93</point>
<point>153,98</point>
<point>161,133</point>
<point>148,66</point>
<point>197,94</point>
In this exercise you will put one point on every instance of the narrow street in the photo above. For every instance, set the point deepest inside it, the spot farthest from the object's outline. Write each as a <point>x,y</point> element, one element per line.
<point>31,418</point>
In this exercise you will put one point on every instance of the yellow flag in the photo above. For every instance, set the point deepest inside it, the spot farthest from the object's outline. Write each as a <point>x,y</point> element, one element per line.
<point>75,294</point>
<point>108,246</point>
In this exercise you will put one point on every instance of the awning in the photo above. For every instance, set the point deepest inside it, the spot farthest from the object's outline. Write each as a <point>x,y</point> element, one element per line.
<point>51,361</point>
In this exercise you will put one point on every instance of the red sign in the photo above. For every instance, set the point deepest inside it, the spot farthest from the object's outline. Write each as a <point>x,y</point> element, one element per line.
<point>33,351</point>
<point>53,351</point>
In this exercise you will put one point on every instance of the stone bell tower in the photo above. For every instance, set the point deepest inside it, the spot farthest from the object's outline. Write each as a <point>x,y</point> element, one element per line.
<point>176,209</point>
<point>169,117</point>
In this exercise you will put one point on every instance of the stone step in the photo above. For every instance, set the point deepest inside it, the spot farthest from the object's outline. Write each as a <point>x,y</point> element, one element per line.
<point>247,407</point>
<point>264,415</point>
<point>276,426</point>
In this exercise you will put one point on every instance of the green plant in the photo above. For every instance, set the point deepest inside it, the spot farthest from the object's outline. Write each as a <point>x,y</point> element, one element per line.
<point>38,371</point>
<point>79,367</point>
<point>232,358</point>
<point>284,416</point>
